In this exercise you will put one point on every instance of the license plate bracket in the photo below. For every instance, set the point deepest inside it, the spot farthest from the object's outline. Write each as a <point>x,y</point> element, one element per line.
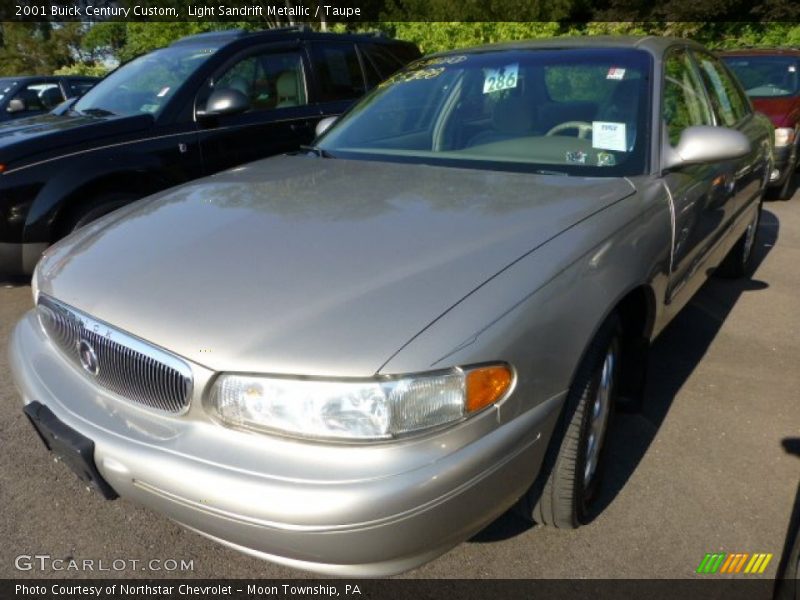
<point>72,448</point>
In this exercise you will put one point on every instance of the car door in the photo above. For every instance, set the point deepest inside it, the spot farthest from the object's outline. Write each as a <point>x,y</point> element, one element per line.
<point>700,193</point>
<point>280,117</point>
<point>339,79</point>
<point>732,109</point>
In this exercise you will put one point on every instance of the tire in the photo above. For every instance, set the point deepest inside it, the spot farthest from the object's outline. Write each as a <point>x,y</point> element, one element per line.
<point>786,191</point>
<point>739,262</point>
<point>96,208</point>
<point>568,483</point>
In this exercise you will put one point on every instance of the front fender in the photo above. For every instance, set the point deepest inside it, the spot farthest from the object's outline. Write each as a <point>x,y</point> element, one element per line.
<point>541,313</point>
<point>84,174</point>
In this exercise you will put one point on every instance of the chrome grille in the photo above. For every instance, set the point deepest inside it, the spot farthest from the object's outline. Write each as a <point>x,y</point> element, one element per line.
<point>118,362</point>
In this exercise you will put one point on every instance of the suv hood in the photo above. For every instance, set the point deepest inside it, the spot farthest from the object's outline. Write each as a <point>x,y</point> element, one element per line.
<point>307,265</point>
<point>48,134</point>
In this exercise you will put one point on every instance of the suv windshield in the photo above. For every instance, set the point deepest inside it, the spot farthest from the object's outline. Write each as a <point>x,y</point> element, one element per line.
<point>766,76</point>
<point>566,111</point>
<point>144,85</point>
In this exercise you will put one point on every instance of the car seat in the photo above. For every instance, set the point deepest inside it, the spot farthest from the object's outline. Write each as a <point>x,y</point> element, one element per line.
<point>622,106</point>
<point>288,90</point>
<point>511,118</point>
<point>51,97</point>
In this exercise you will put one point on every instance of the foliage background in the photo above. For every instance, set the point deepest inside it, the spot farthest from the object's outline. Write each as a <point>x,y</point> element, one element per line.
<point>80,48</point>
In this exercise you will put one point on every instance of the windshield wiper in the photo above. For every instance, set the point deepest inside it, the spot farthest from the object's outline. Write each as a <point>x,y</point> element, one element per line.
<point>97,112</point>
<point>316,150</point>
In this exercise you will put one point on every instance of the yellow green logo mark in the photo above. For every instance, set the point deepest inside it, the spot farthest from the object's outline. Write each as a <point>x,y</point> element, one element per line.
<point>736,562</point>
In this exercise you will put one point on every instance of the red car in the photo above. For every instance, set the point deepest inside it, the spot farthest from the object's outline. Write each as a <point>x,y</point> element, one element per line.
<point>771,78</point>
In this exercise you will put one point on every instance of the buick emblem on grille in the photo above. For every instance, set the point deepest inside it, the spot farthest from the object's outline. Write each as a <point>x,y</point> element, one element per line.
<point>88,358</point>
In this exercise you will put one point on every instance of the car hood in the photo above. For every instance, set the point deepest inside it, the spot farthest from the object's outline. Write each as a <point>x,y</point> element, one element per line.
<point>306,265</point>
<point>44,135</point>
<point>783,112</point>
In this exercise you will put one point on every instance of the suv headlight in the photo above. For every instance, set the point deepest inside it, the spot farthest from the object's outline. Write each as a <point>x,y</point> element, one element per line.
<point>373,409</point>
<point>784,136</point>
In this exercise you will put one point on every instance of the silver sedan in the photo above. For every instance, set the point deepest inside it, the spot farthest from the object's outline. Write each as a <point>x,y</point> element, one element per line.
<point>351,359</point>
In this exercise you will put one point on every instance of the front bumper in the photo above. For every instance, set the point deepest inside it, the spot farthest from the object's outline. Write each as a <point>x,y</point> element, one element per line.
<point>339,509</point>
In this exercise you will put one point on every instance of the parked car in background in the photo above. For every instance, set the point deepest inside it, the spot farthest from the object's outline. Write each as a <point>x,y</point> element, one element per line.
<point>353,358</point>
<point>771,78</point>
<point>203,104</point>
<point>29,96</point>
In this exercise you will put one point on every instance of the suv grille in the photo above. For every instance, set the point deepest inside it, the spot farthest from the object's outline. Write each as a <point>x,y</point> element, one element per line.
<point>117,361</point>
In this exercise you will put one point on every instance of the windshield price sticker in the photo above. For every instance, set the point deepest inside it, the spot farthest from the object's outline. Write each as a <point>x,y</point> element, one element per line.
<point>504,78</point>
<point>609,136</point>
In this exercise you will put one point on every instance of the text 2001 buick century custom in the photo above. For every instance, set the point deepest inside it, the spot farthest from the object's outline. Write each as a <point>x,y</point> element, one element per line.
<point>352,360</point>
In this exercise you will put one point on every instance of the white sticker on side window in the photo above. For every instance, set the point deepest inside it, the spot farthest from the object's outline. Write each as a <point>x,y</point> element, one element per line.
<point>609,136</point>
<point>503,78</point>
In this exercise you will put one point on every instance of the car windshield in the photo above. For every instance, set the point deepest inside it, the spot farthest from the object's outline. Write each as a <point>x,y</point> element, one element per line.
<point>144,85</point>
<point>564,111</point>
<point>766,76</point>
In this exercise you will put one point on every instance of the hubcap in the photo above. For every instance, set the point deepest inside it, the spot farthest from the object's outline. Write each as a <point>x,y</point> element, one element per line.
<point>600,409</point>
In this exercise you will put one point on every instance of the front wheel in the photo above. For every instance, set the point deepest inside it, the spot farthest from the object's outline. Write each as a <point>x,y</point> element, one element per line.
<point>739,262</point>
<point>786,190</point>
<point>572,471</point>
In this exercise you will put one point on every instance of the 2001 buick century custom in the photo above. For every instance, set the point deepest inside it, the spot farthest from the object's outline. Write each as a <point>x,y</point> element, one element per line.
<point>352,359</point>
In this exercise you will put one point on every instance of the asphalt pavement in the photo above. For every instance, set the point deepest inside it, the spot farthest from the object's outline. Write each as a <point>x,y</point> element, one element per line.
<point>710,465</point>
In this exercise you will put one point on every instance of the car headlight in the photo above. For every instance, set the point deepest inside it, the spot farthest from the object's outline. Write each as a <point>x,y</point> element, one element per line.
<point>373,409</point>
<point>784,136</point>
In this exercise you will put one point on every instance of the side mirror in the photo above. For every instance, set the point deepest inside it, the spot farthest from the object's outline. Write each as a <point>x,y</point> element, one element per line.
<point>705,144</point>
<point>15,105</point>
<point>324,125</point>
<point>225,101</point>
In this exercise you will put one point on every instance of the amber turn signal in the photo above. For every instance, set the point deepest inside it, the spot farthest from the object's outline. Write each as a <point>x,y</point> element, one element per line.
<point>486,385</point>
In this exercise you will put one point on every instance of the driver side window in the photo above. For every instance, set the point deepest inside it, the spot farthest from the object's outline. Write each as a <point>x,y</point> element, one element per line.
<point>269,81</point>
<point>685,103</point>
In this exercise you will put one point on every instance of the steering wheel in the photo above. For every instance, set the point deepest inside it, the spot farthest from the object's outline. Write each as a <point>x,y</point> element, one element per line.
<point>582,126</point>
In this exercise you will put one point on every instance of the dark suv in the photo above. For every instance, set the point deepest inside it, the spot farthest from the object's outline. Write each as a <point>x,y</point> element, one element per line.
<point>27,96</point>
<point>771,77</point>
<point>203,104</point>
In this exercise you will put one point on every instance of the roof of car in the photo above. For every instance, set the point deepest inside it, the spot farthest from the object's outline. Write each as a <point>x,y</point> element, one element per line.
<point>762,52</point>
<point>653,44</point>
<point>227,36</point>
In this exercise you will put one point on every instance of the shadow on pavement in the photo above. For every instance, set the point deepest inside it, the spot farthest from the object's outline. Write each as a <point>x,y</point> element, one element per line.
<point>7,281</point>
<point>673,358</point>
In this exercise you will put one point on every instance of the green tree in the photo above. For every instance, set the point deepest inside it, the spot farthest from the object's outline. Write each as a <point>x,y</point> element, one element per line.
<point>36,48</point>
